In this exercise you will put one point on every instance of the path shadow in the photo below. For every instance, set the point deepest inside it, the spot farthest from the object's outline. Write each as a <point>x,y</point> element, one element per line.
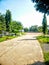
<point>40,63</point>
<point>26,39</point>
<point>29,39</point>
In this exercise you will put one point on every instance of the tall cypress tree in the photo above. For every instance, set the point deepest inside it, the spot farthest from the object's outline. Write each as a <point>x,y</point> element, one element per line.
<point>2,23</point>
<point>8,20</point>
<point>44,24</point>
<point>42,6</point>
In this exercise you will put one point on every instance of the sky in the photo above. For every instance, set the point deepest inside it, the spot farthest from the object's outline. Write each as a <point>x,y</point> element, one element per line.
<point>23,11</point>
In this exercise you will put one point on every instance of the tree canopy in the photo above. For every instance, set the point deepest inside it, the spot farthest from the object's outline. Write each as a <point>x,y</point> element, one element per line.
<point>42,5</point>
<point>8,25</point>
<point>16,26</point>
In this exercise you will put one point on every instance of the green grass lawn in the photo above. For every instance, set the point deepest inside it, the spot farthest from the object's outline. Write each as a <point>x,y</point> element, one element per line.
<point>44,40</point>
<point>11,37</point>
<point>6,38</point>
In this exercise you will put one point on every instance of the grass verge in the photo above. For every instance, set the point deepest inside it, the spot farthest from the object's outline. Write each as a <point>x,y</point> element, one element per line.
<point>11,37</point>
<point>46,57</point>
<point>6,38</point>
<point>44,40</point>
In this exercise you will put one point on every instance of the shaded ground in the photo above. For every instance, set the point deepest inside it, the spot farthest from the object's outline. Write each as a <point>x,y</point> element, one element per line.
<point>24,50</point>
<point>45,47</point>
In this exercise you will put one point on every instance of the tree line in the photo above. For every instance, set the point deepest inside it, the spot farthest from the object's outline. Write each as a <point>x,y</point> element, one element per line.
<point>41,6</point>
<point>7,25</point>
<point>33,28</point>
<point>36,28</point>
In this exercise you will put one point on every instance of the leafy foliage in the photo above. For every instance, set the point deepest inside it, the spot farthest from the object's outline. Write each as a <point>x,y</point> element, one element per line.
<point>16,26</point>
<point>42,5</point>
<point>33,28</point>
<point>26,29</point>
<point>8,26</point>
<point>40,29</point>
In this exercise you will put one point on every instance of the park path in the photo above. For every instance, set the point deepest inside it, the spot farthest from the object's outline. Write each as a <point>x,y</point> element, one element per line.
<point>24,50</point>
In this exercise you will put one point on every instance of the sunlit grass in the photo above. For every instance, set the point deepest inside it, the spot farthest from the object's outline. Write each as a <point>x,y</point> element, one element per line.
<point>46,57</point>
<point>43,39</point>
<point>6,38</point>
<point>11,37</point>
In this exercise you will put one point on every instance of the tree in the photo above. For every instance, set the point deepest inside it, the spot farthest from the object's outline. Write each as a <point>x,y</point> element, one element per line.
<point>26,29</point>
<point>42,5</point>
<point>2,23</point>
<point>33,28</point>
<point>8,20</point>
<point>16,26</point>
<point>19,26</point>
<point>44,25</point>
<point>40,29</point>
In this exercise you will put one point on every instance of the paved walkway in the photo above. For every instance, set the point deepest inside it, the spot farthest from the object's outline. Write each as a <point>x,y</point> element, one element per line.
<point>23,50</point>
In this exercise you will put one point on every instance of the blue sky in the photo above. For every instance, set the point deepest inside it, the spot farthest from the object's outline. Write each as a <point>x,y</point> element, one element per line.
<point>23,11</point>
